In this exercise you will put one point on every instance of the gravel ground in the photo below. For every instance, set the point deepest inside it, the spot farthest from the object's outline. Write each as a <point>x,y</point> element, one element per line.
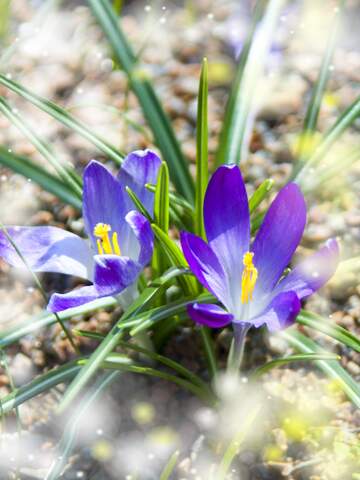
<point>306,428</point>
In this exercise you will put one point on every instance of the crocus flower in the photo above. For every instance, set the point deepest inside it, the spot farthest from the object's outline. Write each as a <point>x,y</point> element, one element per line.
<point>121,239</point>
<point>248,279</point>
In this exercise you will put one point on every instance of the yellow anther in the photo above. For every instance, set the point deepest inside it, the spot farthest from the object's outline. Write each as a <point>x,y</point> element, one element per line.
<point>116,244</point>
<point>105,246</point>
<point>249,277</point>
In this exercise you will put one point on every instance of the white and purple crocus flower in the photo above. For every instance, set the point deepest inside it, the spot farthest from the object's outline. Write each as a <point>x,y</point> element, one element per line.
<point>121,239</point>
<point>248,278</point>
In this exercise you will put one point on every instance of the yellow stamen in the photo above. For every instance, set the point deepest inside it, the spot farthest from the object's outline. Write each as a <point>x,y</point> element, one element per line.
<point>249,277</point>
<point>104,244</point>
<point>116,244</point>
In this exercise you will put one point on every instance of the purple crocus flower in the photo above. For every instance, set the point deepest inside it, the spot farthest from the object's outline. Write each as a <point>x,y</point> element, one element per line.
<point>121,239</point>
<point>248,278</point>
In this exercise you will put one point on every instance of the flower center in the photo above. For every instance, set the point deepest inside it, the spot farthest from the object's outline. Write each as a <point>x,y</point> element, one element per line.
<point>104,244</point>
<point>249,277</point>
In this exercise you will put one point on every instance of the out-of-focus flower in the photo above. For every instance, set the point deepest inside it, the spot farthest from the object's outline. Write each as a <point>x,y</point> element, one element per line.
<point>248,280</point>
<point>121,239</point>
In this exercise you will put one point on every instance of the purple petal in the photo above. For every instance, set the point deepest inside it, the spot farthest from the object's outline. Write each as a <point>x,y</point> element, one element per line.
<point>47,249</point>
<point>140,167</point>
<point>313,272</point>
<point>280,313</point>
<point>210,315</point>
<point>143,244</point>
<point>205,265</point>
<point>227,221</point>
<point>113,273</point>
<point>62,301</point>
<point>103,201</point>
<point>278,237</point>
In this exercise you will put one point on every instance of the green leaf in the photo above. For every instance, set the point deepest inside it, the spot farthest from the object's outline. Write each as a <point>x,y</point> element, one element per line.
<point>64,117</point>
<point>46,319</point>
<point>314,321</point>
<point>175,257</point>
<point>138,204</point>
<point>24,166</point>
<point>170,466</point>
<point>312,113</point>
<point>201,150</point>
<point>161,217</point>
<point>152,109</point>
<point>279,362</point>
<point>260,193</point>
<point>250,68</point>
<point>42,147</point>
<point>115,334</point>
<point>346,119</point>
<point>332,368</point>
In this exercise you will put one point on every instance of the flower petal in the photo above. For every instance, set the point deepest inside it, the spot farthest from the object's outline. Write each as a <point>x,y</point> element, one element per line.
<point>103,201</point>
<point>278,237</point>
<point>209,314</point>
<point>313,272</point>
<point>143,243</point>
<point>227,221</point>
<point>47,249</point>
<point>114,273</point>
<point>205,265</point>
<point>140,167</point>
<point>62,301</point>
<point>280,313</point>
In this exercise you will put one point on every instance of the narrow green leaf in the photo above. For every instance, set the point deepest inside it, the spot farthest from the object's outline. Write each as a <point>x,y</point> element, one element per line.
<point>250,68</point>
<point>302,357</point>
<point>345,120</point>
<point>175,257</point>
<point>332,368</point>
<point>138,204</point>
<point>41,146</point>
<point>161,216</point>
<point>72,426</point>
<point>5,9</point>
<point>64,117</point>
<point>340,334</point>
<point>26,167</point>
<point>260,193</point>
<point>170,466</point>
<point>315,101</point>
<point>152,109</point>
<point>112,338</point>
<point>201,150</point>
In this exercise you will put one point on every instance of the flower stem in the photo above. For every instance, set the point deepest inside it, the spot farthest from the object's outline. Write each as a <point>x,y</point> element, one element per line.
<point>237,346</point>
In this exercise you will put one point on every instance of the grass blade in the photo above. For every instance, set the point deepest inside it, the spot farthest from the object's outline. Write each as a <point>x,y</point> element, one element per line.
<point>279,362</point>
<point>332,368</point>
<point>250,68</point>
<point>260,193</point>
<point>138,204</point>
<point>152,109</point>
<point>313,110</point>
<point>26,167</point>
<point>170,466</point>
<point>161,216</point>
<point>64,117</point>
<point>334,331</point>
<point>346,119</point>
<point>115,334</point>
<point>201,150</point>
<point>41,146</point>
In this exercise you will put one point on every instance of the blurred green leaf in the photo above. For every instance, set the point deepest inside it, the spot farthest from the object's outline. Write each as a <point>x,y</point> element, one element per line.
<point>201,150</point>
<point>170,466</point>
<point>161,217</point>
<point>152,109</point>
<point>314,321</point>
<point>250,68</point>
<point>332,368</point>
<point>26,167</point>
<point>260,193</point>
<point>315,101</point>
<point>64,117</point>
